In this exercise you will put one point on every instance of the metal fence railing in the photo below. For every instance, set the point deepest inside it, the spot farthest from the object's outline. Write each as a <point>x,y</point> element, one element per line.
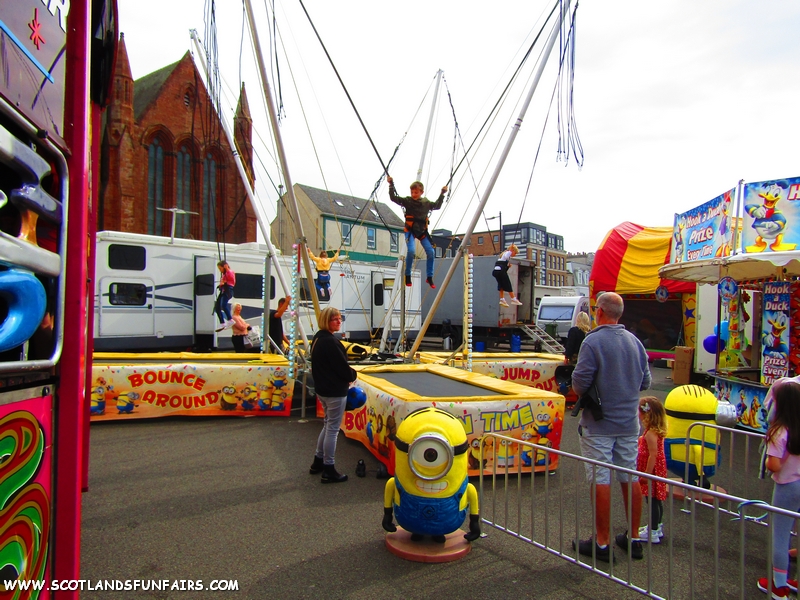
<point>715,543</point>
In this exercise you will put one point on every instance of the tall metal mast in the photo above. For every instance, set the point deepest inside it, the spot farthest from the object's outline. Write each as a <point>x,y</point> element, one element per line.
<point>439,74</point>
<point>512,136</point>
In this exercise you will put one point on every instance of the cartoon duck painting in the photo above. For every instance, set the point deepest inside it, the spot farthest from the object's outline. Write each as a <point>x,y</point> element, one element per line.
<point>768,221</point>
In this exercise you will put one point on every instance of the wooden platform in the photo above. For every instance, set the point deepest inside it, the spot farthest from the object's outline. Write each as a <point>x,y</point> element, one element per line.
<point>426,550</point>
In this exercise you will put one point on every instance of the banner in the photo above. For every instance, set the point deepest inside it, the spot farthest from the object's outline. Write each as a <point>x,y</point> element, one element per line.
<point>771,215</point>
<point>775,332</point>
<point>705,231</point>
<point>156,390</point>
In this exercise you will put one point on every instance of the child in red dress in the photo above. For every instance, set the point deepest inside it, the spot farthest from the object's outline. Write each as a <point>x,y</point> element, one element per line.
<point>651,460</point>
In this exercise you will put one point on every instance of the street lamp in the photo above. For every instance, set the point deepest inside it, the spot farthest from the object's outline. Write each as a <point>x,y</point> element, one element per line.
<point>499,216</point>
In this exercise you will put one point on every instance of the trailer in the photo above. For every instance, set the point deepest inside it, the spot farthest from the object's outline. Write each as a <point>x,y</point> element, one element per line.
<point>490,321</point>
<point>156,293</point>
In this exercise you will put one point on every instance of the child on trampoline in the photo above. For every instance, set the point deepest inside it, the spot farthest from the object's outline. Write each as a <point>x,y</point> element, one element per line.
<point>416,209</point>
<point>500,273</point>
<point>323,265</point>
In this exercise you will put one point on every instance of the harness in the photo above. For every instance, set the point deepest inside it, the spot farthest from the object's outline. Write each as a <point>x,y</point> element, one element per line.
<point>413,226</point>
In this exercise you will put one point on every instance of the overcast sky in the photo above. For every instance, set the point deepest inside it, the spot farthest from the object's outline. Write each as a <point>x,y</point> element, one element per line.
<point>674,102</point>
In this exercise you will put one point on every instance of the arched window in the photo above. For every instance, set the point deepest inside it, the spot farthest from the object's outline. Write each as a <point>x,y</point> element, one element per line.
<point>183,198</point>
<point>209,197</point>
<point>155,187</point>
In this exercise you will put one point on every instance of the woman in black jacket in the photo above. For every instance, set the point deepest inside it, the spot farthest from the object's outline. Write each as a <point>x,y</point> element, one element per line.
<point>575,337</point>
<point>332,379</point>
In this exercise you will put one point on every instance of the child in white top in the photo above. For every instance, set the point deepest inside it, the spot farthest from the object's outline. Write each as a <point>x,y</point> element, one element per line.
<point>500,273</point>
<point>783,459</point>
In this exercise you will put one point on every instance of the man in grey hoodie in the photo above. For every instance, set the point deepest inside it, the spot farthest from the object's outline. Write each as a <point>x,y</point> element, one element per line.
<point>616,362</point>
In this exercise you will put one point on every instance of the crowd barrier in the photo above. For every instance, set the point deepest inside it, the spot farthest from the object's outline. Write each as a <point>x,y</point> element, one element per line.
<point>715,545</point>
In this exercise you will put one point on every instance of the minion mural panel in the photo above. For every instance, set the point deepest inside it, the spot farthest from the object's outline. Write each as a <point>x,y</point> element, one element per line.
<point>772,215</point>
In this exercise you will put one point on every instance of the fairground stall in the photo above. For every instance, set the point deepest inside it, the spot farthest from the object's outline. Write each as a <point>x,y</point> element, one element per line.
<point>754,268</point>
<point>482,404</point>
<point>658,310</point>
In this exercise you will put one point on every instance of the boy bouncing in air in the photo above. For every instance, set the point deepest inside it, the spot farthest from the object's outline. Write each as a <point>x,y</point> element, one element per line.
<point>417,208</point>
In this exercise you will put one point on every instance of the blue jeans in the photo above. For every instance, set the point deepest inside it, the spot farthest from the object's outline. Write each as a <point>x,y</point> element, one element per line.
<point>326,442</point>
<point>787,496</point>
<point>221,305</point>
<point>412,246</point>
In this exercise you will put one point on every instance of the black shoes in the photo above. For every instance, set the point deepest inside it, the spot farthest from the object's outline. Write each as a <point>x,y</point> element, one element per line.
<point>429,281</point>
<point>408,280</point>
<point>330,475</point>
<point>316,466</point>
<point>585,548</point>
<point>636,551</point>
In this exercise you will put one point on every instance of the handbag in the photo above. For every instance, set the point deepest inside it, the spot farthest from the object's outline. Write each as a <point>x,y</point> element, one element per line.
<point>591,402</point>
<point>247,342</point>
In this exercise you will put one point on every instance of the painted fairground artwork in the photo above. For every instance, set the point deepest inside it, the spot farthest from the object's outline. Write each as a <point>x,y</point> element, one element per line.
<point>775,332</point>
<point>705,231</point>
<point>25,491</point>
<point>145,391</point>
<point>771,215</point>
<point>538,421</point>
<point>748,400</point>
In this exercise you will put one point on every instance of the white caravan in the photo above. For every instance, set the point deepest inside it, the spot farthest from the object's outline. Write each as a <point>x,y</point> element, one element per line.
<point>156,294</point>
<point>562,312</point>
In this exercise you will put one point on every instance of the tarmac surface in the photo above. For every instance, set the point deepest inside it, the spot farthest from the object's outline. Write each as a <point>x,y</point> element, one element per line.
<point>231,499</point>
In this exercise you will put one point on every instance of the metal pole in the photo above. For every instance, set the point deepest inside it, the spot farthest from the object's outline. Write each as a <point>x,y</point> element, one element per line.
<point>514,131</point>
<point>273,118</point>
<point>430,123</point>
<point>260,217</point>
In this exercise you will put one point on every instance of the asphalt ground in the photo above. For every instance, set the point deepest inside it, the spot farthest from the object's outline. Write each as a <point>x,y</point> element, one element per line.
<point>181,499</point>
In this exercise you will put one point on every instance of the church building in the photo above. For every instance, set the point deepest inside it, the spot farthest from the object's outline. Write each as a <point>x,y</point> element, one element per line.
<point>165,156</point>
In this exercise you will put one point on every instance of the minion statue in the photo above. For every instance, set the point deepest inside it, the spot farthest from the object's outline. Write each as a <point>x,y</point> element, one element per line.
<point>430,492</point>
<point>688,404</point>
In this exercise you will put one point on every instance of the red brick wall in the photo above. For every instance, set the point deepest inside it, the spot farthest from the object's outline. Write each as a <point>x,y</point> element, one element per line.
<point>123,194</point>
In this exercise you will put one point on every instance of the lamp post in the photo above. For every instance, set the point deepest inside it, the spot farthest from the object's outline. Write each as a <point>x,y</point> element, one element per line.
<point>499,216</point>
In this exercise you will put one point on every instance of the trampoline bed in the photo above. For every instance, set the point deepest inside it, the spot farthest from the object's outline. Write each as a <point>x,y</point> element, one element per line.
<point>434,385</point>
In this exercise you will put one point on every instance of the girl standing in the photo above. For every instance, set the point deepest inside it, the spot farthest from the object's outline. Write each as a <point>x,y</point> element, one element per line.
<point>652,460</point>
<point>783,459</point>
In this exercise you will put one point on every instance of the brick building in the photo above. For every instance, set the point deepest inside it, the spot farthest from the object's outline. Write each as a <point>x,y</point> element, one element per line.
<point>163,147</point>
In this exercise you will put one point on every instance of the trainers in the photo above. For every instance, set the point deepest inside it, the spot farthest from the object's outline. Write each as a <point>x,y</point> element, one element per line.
<point>792,584</point>
<point>503,302</point>
<point>655,534</point>
<point>429,281</point>
<point>516,302</point>
<point>636,551</point>
<point>408,280</point>
<point>777,592</point>
<point>584,547</point>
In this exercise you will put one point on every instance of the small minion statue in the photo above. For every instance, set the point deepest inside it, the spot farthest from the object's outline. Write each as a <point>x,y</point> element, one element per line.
<point>125,402</point>
<point>688,404</point>
<point>227,399</point>
<point>430,493</point>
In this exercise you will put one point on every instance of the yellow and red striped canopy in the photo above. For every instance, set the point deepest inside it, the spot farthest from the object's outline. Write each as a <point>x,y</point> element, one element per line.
<point>628,260</point>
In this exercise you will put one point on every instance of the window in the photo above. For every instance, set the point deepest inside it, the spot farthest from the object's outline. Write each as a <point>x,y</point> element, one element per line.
<point>155,187</point>
<point>209,198</point>
<point>204,285</point>
<point>249,286</point>
<point>339,202</point>
<point>395,242</point>
<point>438,252</point>
<point>183,199</point>
<point>371,238</point>
<point>129,258</point>
<point>448,253</point>
<point>496,238</point>
<point>377,294</point>
<point>480,239</point>
<point>374,212</point>
<point>127,294</point>
<point>346,229</point>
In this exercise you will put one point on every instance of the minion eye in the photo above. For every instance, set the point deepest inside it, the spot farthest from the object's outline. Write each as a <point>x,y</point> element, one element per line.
<point>541,417</point>
<point>430,453</point>
<point>99,390</point>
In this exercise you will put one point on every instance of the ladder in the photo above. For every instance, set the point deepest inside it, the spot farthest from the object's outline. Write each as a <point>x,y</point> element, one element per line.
<point>538,334</point>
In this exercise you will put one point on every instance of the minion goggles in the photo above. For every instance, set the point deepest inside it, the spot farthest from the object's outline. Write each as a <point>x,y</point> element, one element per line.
<point>431,453</point>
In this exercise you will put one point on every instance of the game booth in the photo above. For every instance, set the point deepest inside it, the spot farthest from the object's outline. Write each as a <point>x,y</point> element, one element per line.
<point>483,405</point>
<point>754,268</point>
<point>658,310</point>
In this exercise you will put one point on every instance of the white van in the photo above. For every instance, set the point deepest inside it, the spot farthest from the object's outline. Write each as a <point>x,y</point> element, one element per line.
<point>562,311</point>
